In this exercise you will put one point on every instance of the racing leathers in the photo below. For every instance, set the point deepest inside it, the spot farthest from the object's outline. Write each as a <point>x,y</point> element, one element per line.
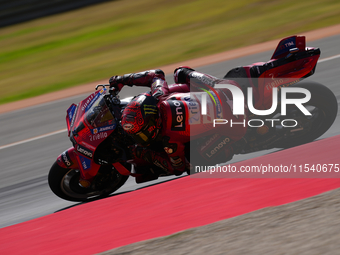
<point>179,118</point>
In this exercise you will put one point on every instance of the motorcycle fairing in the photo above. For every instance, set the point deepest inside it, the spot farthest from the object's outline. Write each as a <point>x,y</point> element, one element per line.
<point>70,117</point>
<point>278,73</point>
<point>88,168</point>
<point>91,123</point>
<point>288,43</point>
<point>71,159</point>
<point>68,159</point>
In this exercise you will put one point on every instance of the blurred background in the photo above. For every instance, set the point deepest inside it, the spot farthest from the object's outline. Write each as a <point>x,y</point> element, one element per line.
<point>50,45</point>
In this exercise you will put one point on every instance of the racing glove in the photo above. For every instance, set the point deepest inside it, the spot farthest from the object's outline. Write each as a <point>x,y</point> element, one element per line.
<point>153,79</point>
<point>116,82</point>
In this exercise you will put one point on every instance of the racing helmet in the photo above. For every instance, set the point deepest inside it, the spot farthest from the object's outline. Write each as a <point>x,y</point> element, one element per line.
<point>141,120</point>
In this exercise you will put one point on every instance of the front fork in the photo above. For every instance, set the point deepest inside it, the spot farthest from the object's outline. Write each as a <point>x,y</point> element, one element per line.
<point>87,167</point>
<point>68,159</point>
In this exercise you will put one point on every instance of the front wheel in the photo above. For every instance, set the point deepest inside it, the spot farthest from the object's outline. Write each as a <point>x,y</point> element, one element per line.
<point>323,106</point>
<point>64,182</point>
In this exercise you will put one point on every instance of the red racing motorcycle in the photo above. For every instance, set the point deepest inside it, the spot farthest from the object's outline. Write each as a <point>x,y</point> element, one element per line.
<point>99,162</point>
<point>98,140</point>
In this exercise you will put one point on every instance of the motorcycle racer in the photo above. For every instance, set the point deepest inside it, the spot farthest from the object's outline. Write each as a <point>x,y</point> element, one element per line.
<point>147,117</point>
<point>99,162</point>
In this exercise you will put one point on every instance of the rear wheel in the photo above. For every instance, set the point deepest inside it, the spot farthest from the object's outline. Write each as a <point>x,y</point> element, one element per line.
<point>323,106</point>
<point>64,182</point>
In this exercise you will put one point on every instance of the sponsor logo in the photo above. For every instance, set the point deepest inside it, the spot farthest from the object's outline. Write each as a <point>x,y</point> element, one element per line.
<point>85,162</point>
<point>280,82</point>
<point>128,126</point>
<point>178,115</point>
<point>102,129</point>
<point>92,102</point>
<point>194,110</point>
<point>211,139</point>
<point>288,44</point>
<point>65,158</point>
<point>102,91</point>
<point>106,128</point>
<point>203,78</point>
<point>86,152</point>
<point>168,150</point>
<point>288,84</point>
<point>274,83</point>
<point>71,111</point>
<point>74,115</point>
<point>284,46</point>
<point>98,136</point>
<point>87,103</point>
<point>218,147</point>
<point>150,109</point>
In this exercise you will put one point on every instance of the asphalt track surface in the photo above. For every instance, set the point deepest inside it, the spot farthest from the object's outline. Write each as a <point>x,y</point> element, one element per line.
<point>24,190</point>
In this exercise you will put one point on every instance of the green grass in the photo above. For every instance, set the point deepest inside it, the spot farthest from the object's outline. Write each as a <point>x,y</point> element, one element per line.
<point>124,36</point>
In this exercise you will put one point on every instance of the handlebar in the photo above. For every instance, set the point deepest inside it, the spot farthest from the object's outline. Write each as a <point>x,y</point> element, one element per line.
<point>102,85</point>
<point>112,91</point>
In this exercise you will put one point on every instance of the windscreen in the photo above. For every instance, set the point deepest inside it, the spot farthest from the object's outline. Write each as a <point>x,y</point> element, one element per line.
<point>99,114</point>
